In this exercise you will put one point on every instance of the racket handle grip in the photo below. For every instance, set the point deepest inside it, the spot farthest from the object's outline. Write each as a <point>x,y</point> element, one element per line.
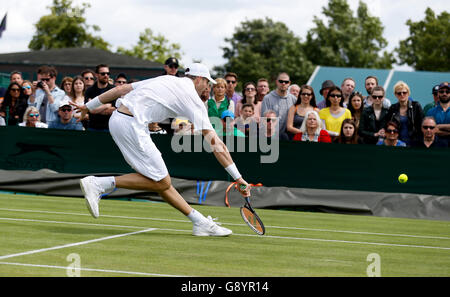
<point>243,188</point>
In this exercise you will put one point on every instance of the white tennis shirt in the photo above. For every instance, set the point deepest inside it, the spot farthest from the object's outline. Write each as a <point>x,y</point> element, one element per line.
<point>156,99</point>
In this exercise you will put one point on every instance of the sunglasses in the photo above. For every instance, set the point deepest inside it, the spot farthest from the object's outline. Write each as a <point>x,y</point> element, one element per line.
<point>66,109</point>
<point>15,90</point>
<point>336,95</point>
<point>284,81</point>
<point>173,66</point>
<point>377,97</point>
<point>428,127</point>
<point>88,78</point>
<point>26,87</point>
<point>444,91</point>
<point>401,93</point>
<point>104,73</point>
<point>306,94</point>
<point>45,79</point>
<point>33,115</point>
<point>231,81</point>
<point>391,131</point>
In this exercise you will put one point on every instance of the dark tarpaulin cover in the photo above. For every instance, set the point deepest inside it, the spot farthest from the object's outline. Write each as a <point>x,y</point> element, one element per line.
<point>417,206</point>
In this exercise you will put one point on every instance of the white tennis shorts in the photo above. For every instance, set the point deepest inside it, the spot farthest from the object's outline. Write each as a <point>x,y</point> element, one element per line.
<point>137,147</point>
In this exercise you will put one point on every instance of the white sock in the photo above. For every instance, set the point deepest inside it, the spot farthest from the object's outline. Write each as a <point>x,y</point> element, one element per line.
<point>108,183</point>
<point>196,217</point>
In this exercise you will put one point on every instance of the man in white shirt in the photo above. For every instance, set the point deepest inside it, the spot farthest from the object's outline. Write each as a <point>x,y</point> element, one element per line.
<point>154,100</point>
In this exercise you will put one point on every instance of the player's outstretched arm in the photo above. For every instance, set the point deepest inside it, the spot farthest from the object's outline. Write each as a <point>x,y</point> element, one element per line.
<point>106,97</point>
<point>223,156</point>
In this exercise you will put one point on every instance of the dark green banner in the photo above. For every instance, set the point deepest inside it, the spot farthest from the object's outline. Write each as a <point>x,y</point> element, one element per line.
<point>296,164</point>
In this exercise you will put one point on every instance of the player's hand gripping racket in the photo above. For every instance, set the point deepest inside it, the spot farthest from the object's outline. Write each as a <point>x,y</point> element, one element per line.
<point>247,212</point>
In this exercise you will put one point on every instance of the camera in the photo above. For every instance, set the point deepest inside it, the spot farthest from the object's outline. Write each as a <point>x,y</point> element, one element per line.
<point>39,85</point>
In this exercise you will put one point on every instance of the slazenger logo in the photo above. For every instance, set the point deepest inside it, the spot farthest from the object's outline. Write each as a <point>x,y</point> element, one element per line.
<point>29,148</point>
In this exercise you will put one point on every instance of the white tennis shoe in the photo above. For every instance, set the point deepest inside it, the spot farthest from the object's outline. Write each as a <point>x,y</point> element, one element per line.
<point>92,192</point>
<point>210,228</point>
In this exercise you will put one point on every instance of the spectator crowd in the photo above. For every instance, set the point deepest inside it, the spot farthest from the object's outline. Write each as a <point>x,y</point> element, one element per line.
<point>291,112</point>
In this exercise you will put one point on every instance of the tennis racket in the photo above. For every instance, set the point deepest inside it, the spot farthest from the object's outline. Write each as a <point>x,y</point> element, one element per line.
<point>248,214</point>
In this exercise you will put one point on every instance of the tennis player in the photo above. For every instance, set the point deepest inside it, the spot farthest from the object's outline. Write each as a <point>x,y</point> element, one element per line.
<point>154,100</point>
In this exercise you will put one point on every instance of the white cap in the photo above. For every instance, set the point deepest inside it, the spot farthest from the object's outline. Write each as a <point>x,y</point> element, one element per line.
<point>198,69</point>
<point>64,102</point>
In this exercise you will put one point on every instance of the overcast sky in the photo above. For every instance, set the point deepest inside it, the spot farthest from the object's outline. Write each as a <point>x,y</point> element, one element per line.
<point>200,26</point>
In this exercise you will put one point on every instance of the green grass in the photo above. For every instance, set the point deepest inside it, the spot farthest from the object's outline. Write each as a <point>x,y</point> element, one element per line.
<point>295,244</point>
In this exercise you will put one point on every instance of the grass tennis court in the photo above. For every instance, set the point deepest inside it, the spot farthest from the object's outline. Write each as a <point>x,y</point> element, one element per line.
<point>46,236</point>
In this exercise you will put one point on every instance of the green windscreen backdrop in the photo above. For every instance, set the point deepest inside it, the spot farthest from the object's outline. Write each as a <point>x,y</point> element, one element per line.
<point>298,164</point>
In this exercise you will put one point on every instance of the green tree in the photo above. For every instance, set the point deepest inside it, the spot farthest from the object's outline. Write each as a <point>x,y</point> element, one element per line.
<point>263,48</point>
<point>154,48</point>
<point>346,40</point>
<point>65,27</point>
<point>428,44</point>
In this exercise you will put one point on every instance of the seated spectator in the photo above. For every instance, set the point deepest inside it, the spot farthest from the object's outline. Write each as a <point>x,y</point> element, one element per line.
<point>32,118</point>
<point>349,133</point>
<point>27,89</point>
<point>231,80</point>
<point>249,97</point>
<point>356,107</point>
<point>76,94</point>
<point>66,120</point>
<point>46,94</point>
<point>66,85</point>
<point>392,133</point>
<point>182,126</point>
<point>245,122</point>
<point>326,86</point>
<point>88,76</point>
<point>262,89</point>
<point>154,128</point>
<point>430,139</point>
<point>16,76</point>
<point>312,129</point>
<point>228,128</point>
<point>407,113</point>
<point>348,86</point>
<point>99,117</point>
<point>374,118</point>
<point>306,102</point>
<point>441,112</point>
<point>294,89</point>
<point>121,79</point>
<point>269,125</point>
<point>371,82</point>
<point>219,103</point>
<point>435,93</point>
<point>280,100</point>
<point>171,66</point>
<point>14,105</point>
<point>335,112</point>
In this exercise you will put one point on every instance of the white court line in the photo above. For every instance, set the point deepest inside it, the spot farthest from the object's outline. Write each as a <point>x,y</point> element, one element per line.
<point>231,224</point>
<point>73,244</point>
<point>235,234</point>
<point>93,269</point>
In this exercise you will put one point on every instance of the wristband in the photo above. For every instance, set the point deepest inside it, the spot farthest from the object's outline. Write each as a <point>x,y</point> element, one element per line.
<point>233,171</point>
<point>94,103</point>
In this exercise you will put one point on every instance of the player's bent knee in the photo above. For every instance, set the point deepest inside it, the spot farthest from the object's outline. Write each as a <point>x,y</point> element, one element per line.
<point>164,184</point>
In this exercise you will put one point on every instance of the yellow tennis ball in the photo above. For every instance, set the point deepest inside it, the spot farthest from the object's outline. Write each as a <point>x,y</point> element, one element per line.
<point>402,178</point>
